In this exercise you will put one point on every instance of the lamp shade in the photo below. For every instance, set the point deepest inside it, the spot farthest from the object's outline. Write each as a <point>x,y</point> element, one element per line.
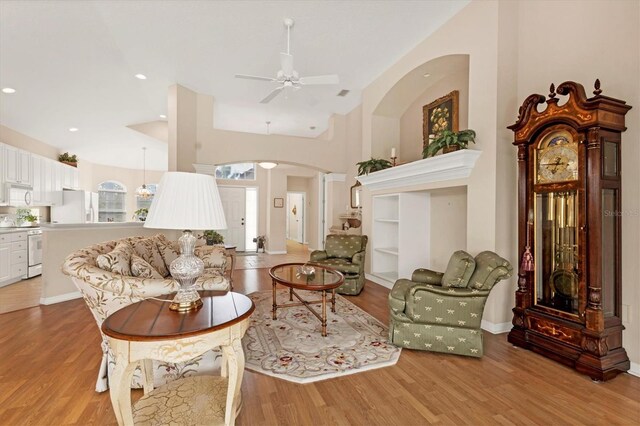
<point>186,201</point>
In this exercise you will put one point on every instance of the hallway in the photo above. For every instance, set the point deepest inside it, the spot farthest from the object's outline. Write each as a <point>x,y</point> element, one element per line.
<point>296,252</point>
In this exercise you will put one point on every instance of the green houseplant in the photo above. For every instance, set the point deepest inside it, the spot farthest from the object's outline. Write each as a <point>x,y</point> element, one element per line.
<point>373,165</point>
<point>66,158</point>
<point>448,141</point>
<point>141,214</point>
<point>25,217</point>
<point>213,237</point>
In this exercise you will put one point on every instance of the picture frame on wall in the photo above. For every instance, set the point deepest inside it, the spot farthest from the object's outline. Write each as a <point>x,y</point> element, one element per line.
<point>439,115</point>
<point>278,203</point>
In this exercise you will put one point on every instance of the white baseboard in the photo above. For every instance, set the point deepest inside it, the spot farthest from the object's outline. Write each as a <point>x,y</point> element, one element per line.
<point>493,328</point>
<point>60,298</point>
<point>378,280</point>
<point>277,252</point>
<point>634,370</point>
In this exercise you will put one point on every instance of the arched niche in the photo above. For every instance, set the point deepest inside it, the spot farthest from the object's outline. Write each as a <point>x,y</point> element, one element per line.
<point>397,119</point>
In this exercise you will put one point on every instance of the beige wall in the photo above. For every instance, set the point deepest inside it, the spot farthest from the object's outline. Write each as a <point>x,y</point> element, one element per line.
<point>59,243</point>
<point>22,141</point>
<point>448,225</point>
<point>410,148</point>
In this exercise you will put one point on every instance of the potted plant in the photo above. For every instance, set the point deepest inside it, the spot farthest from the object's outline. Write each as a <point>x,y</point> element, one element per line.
<point>213,237</point>
<point>71,160</point>
<point>449,141</point>
<point>260,240</point>
<point>373,165</point>
<point>141,214</point>
<point>26,218</point>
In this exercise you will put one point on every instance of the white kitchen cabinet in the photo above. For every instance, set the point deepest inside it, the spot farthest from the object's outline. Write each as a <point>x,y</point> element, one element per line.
<point>2,161</point>
<point>17,166</point>
<point>13,256</point>
<point>70,178</point>
<point>37,194</point>
<point>5,261</point>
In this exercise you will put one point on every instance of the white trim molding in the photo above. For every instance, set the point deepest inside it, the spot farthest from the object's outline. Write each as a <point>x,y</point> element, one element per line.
<point>277,252</point>
<point>60,298</point>
<point>378,280</point>
<point>493,328</point>
<point>451,166</point>
<point>335,177</point>
<point>634,370</point>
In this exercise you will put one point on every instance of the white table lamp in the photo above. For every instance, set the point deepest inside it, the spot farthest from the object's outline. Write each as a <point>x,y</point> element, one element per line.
<point>188,202</point>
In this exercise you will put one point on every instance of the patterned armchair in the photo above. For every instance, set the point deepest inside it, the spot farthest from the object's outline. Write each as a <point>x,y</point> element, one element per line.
<point>442,312</point>
<point>106,292</point>
<point>344,253</point>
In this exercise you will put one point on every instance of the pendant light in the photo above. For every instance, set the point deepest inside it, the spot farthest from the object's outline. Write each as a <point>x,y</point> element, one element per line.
<point>143,192</point>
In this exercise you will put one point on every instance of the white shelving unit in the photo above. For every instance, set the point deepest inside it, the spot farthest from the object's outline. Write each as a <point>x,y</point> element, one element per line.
<point>400,235</point>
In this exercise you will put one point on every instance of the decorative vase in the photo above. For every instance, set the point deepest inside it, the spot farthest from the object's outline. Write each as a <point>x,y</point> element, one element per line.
<point>69,163</point>
<point>451,148</point>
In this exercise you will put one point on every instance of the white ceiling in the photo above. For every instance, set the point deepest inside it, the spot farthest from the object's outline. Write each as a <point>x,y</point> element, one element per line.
<point>73,64</point>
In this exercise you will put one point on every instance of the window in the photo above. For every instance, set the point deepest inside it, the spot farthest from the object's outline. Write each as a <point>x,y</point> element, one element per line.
<point>112,202</point>
<point>239,171</point>
<point>145,203</point>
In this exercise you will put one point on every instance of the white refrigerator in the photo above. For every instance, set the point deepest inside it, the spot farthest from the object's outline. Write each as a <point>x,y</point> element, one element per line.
<point>76,207</point>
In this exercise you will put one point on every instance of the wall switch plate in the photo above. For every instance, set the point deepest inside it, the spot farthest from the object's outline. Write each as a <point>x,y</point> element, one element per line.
<point>626,314</point>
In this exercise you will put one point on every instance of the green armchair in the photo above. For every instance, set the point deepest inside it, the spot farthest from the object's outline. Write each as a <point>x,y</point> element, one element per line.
<point>442,312</point>
<point>344,253</point>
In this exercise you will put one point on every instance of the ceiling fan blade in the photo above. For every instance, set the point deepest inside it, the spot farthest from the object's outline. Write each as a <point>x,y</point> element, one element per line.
<point>319,79</point>
<point>275,92</point>
<point>255,77</point>
<point>286,64</point>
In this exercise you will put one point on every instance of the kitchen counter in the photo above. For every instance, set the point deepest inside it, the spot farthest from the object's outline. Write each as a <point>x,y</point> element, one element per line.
<point>18,229</point>
<point>93,225</point>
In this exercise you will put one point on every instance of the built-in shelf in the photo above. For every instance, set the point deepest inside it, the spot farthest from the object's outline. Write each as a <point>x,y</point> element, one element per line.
<point>388,220</point>
<point>451,166</point>
<point>388,250</point>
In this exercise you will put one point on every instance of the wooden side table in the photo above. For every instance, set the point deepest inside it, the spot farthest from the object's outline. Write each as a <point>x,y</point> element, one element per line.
<point>148,330</point>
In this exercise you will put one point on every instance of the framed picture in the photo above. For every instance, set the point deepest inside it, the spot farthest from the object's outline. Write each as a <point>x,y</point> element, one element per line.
<point>439,115</point>
<point>278,203</point>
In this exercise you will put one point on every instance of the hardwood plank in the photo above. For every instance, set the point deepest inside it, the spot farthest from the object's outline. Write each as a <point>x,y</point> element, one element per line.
<point>49,356</point>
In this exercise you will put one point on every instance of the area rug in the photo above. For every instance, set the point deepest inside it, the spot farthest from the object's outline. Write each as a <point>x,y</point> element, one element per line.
<point>292,347</point>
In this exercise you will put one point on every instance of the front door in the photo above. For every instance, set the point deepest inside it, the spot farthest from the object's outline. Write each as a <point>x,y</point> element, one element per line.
<point>234,205</point>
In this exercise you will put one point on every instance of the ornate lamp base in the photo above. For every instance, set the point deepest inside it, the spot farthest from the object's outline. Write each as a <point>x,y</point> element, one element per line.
<point>186,269</point>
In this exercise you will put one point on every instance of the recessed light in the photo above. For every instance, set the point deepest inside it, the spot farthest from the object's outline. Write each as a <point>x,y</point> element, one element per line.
<point>427,75</point>
<point>312,127</point>
<point>73,129</point>
<point>141,76</point>
<point>163,116</point>
<point>8,90</point>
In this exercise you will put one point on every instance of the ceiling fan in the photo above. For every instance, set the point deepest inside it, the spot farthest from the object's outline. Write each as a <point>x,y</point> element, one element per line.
<point>287,76</point>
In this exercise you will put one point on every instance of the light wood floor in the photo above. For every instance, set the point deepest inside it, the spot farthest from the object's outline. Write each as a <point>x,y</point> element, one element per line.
<point>49,357</point>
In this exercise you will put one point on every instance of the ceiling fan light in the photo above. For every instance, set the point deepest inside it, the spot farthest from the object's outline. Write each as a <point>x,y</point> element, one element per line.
<point>143,192</point>
<point>267,165</point>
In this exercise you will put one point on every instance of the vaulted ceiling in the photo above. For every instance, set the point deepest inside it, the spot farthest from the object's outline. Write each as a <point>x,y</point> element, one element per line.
<point>73,64</point>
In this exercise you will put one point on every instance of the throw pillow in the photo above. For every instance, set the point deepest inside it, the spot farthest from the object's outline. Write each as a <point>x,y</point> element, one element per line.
<point>169,250</point>
<point>459,270</point>
<point>212,256</point>
<point>147,249</point>
<point>142,269</point>
<point>118,260</point>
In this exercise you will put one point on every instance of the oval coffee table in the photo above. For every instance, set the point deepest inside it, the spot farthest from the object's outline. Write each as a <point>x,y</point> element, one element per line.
<point>324,279</point>
<point>148,330</point>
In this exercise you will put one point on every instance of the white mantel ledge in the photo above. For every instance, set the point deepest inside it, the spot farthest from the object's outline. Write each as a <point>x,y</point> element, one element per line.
<point>451,166</point>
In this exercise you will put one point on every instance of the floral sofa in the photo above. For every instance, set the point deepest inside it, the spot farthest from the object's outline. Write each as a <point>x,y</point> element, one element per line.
<point>114,274</point>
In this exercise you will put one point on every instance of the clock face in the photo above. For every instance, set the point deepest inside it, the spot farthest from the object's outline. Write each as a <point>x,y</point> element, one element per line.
<point>557,157</point>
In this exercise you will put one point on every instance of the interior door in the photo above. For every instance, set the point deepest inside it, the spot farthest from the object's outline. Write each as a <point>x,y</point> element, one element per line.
<point>295,217</point>
<point>234,206</point>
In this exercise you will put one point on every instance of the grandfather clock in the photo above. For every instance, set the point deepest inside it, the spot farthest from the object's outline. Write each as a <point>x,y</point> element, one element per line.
<point>568,300</point>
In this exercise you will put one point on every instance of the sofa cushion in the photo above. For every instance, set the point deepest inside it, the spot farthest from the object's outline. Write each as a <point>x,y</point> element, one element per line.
<point>490,268</point>
<point>459,270</point>
<point>142,269</point>
<point>118,260</point>
<point>167,248</point>
<point>147,249</point>
<point>344,246</point>
<point>212,256</point>
<point>342,265</point>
